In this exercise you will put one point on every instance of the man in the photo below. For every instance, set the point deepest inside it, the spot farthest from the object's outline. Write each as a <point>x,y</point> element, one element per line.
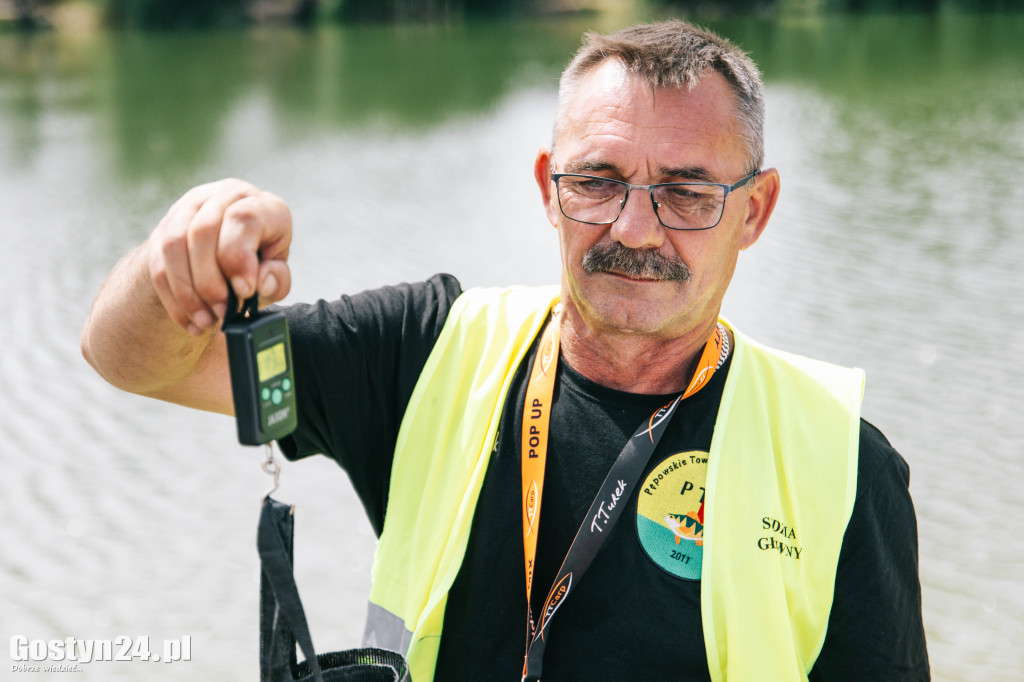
<point>601,480</point>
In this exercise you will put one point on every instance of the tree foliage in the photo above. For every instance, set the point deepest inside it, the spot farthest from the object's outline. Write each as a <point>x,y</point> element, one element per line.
<point>420,10</point>
<point>176,13</point>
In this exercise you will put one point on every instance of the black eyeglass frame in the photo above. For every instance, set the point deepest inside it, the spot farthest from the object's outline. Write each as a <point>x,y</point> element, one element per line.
<point>555,177</point>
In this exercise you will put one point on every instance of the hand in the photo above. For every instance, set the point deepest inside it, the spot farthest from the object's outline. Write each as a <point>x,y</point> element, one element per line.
<point>219,232</point>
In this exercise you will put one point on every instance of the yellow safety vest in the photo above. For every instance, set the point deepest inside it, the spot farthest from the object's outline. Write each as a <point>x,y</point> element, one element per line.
<point>781,483</point>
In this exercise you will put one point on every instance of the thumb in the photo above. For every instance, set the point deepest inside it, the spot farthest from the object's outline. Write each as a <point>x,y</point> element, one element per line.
<point>275,281</point>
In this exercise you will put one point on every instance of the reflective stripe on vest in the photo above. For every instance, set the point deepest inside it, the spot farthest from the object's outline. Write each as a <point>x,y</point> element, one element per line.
<point>784,449</point>
<point>454,409</point>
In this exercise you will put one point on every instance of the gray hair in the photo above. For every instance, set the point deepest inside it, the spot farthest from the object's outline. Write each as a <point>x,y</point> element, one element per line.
<point>674,54</point>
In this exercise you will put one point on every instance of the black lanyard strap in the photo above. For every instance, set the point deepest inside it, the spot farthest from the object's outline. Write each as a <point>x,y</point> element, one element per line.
<point>614,493</point>
<point>597,525</point>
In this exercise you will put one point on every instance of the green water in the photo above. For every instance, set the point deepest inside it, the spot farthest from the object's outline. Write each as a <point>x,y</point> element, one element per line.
<point>895,247</point>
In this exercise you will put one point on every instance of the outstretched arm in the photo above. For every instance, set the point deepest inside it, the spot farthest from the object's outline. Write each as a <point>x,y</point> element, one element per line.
<point>154,326</point>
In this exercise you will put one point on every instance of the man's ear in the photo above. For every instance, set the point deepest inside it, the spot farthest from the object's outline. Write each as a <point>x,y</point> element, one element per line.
<point>760,205</point>
<point>542,166</point>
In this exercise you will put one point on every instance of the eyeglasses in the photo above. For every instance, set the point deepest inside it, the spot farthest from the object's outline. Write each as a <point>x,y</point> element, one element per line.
<point>595,200</point>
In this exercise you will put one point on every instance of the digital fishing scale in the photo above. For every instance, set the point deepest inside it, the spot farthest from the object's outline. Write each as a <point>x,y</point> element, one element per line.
<point>262,376</point>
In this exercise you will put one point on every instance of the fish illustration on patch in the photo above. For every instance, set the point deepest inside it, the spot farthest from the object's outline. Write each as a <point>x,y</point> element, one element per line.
<point>670,514</point>
<point>687,527</point>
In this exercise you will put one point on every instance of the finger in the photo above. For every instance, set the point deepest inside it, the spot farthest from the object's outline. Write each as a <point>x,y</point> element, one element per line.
<point>275,279</point>
<point>169,266</point>
<point>203,237</point>
<point>259,224</point>
<point>207,282</point>
<point>190,201</point>
<point>173,271</point>
<point>160,279</point>
<point>276,230</point>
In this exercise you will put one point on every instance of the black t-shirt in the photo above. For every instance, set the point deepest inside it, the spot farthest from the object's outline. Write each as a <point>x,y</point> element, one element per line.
<point>636,612</point>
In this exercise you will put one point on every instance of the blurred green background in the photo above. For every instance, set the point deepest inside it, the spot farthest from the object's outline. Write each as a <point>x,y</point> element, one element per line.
<point>182,14</point>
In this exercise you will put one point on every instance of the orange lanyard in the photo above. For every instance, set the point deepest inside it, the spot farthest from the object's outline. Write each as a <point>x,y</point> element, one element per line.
<point>536,420</point>
<point>536,417</point>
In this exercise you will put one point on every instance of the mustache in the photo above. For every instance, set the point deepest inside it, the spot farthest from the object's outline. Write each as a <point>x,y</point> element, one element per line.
<point>616,259</point>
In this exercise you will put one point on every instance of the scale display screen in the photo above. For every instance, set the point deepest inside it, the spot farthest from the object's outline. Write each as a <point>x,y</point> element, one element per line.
<point>271,361</point>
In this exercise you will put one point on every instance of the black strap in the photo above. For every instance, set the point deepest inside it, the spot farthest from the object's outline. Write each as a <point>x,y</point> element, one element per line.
<point>274,541</point>
<point>283,621</point>
<point>597,525</point>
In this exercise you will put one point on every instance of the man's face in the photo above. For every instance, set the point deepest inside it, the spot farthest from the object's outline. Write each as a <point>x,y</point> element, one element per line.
<point>617,126</point>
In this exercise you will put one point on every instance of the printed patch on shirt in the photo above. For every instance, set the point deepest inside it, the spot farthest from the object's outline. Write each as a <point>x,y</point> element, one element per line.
<point>670,513</point>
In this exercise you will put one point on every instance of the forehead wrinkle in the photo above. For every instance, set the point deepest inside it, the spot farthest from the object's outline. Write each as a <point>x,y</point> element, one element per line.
<point>609,133</point>
<point>623,115</point>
